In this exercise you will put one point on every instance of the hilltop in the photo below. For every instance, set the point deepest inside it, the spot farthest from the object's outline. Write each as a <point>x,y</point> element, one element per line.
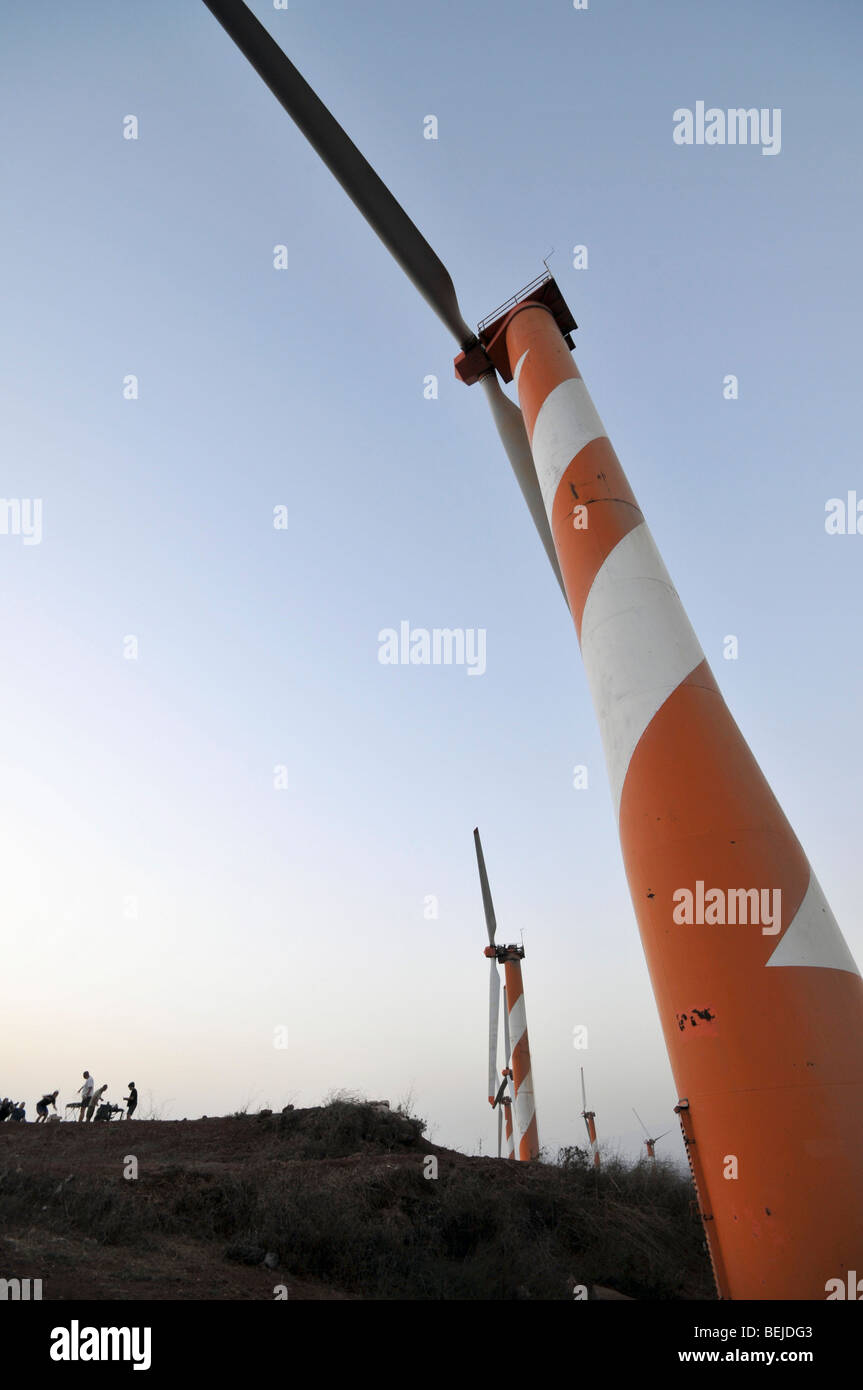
<point>333,1202</point>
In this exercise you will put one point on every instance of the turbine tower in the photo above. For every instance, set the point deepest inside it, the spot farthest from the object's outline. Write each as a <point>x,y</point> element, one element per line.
<point>503,1098</point>
<point>763,1019</point>
<point>510,957</point>
<point>589,1117</point>
<point>650,1144</point>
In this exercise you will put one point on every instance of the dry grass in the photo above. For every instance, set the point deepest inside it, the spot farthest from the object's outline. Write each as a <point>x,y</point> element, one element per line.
<point>340,1195</point>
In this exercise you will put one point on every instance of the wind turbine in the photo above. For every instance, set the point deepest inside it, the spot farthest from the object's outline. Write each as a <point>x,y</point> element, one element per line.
<point>650,1143</point>
<point>515,1028</point>
<point>589,1117</point>
<point>763,1024</point>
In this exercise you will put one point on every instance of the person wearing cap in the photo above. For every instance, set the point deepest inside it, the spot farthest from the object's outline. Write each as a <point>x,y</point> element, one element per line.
<point>49,1098</point>
<point>86,1093</point>
<point>131,1101</point>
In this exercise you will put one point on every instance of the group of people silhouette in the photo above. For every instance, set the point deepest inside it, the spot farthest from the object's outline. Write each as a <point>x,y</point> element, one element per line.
<point>90,1106</point>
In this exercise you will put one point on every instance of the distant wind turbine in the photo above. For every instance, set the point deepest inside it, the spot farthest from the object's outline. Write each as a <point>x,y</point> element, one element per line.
<point>589,1117</point>
<point>650,1143</point>
<point>510,957</point>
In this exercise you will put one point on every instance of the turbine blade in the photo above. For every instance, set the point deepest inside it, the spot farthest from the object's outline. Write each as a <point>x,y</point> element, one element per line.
<point>583,1092</point>
<point>493,1027</point>
<point>488,905</point>
<point>507,1046</point>
<point>641,1122</point>
<point>513,436</point>
<point>367,191</point>
<point>661,1136</point>
<point>388,219</point>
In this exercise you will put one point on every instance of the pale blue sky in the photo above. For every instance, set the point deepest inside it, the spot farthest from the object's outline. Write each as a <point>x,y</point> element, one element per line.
<point>153,779</point>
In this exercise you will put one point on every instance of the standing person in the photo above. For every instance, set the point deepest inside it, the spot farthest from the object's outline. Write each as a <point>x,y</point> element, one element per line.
<point>85,1092</point>
<point>95,1099</point>
<point>131,1101</point>
<point>49,1098</point>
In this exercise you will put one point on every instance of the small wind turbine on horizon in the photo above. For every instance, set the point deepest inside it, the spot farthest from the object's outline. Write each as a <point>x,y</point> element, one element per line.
<point>649,1142</point>
<point>517,1070</point>
<point>589,1117</point>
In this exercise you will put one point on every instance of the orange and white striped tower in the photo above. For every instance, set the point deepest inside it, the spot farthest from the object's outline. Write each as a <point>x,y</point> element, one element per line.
<point>522,1078</point>
<point>589,1117</point>
<point>760,1000</point>
<point>509,1133</point>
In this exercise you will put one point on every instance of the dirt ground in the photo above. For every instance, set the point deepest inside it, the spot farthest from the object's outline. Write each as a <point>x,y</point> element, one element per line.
<point>338,1192</point>
<point>76,1267</point>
